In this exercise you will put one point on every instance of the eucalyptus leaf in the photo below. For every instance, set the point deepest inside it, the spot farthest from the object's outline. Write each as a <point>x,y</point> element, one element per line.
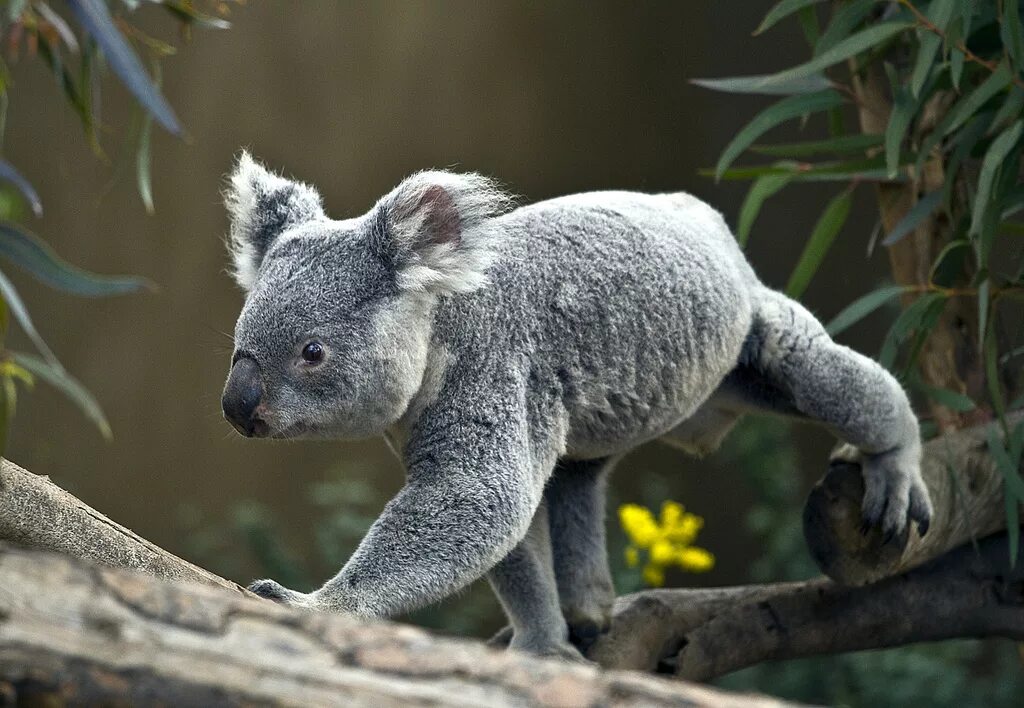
<point>940,13</point>
<point>757,85</point>
<point>762,188</point>
<point>8,173</point>
<point>30,252</point>
<point>16,306</point>
<point>903,110</point>
<point>1010,27</point>
<point>56,376</point>
<point>822,236</point>
<point>862,307</point>
<point>918,213</point>
<point>994,157</point>
<point>966,107</point>
<point>863,40</point>
<point>908,320</point>
<point>95,18</point>
<point>782,10</point>
<point>846,18</point>
<point>777,113</point>
<point>840,145</point>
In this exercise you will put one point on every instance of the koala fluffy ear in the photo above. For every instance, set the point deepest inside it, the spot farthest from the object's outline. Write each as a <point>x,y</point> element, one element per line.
<point>434,227</point>
<point>262,205</point>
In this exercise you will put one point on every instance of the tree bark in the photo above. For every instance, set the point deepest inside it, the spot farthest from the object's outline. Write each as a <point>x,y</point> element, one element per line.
<point>36,513</point>
<point>73,633</point>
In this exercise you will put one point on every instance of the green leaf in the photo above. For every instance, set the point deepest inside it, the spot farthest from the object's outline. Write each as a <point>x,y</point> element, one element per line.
<point>990,354</point>
<point>946,251</point>
<point>95,18</point>
<point>780,11</point>
<point>8,173</point>
<point>824,233</point>
<point>841,145</point>
<point>756,84</point>
<point>760,190</point>
<point>954,400</point>
<point>862,307</point>
<point>854,44</point>
<point>903,110</point>
<point>845,19</point>
<point>866,170</point>
<point>1013,489</point>
<point>993,159</point>
<point>143,171</point>
<point>20,312</point>
<point>780,112</point>
<point>908,320</point>
<point>924,207</point>
<point>1013,38</point>
<point>966,107</point>
<point>1010,110</point>
<point>56,376</point>
<point>30,252</point>
<point>940,12</point>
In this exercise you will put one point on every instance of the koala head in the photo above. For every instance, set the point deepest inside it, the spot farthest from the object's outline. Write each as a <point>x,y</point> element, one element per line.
<point>333,338</point>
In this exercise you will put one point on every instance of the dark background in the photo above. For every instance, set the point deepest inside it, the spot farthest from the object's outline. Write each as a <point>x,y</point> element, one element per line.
<point>551,98</point>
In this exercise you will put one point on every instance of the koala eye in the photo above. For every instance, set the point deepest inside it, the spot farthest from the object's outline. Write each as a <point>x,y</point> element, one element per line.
<point>313,353</point>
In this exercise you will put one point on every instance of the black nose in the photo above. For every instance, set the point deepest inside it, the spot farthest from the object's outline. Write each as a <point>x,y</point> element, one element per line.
<point>242,394</point>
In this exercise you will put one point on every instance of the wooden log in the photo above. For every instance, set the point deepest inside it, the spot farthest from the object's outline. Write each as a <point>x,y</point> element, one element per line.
<point>966,489</point>
<point>36,513</point>
<point>74,633</point>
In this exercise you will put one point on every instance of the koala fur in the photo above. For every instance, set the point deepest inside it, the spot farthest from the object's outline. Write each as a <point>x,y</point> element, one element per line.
<point>515,355</point>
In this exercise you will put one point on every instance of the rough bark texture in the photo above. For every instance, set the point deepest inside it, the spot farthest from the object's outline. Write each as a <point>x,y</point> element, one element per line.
<point>702,634</point>
<point>75,633</point>
<point>966,490</point>
<point>36,513</point>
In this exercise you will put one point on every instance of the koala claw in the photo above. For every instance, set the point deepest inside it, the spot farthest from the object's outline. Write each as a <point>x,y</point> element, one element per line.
<point>273,590</point>
<point>894,492</point>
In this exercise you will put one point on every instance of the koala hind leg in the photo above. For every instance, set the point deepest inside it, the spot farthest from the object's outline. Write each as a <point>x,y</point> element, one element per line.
<point>789,352</point>
<point>575,497</point>
<point>524,582</point>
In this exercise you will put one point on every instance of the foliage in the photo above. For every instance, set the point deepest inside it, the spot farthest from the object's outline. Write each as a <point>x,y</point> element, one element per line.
<point>666,541</point>
<point>943,82</point>
<point>78,49</point>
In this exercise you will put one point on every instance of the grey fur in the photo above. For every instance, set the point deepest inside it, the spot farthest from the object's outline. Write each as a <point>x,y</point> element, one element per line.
<point>511,353</point>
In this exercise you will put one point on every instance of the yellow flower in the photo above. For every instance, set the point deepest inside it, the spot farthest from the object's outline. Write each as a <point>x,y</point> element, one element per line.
<point>662,552</point>
<point>639,524</point>
<point>695,559</point>
<point>632,556</point>
<point>668,540</point>
<point>654,575</point>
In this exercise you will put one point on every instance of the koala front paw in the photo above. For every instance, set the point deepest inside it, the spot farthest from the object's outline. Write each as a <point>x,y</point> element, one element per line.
<point>273,590</point>
<point>894,491</point>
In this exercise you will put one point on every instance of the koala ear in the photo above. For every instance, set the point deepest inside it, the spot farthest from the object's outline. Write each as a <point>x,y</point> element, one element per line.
<point>434,226</point>
<point>262,205</point>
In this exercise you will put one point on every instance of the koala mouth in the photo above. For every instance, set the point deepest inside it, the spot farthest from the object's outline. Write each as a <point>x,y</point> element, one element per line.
<point>295,430</point>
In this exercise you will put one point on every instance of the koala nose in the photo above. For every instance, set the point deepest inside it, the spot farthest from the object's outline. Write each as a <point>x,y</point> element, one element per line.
<point>242,395</point>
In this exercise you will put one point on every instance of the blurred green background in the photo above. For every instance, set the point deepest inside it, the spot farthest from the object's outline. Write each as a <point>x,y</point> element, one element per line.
<point>550,98</point>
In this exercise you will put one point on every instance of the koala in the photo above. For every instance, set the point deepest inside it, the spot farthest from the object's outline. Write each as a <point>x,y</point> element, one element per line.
<point>514,355</point>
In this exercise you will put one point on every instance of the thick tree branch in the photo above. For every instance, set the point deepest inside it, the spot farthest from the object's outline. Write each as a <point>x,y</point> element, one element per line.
<point>73,633</point>
<point>36,513</point>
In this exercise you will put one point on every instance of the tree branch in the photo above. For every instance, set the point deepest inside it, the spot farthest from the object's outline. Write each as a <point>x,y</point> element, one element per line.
<point>80,634</point>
